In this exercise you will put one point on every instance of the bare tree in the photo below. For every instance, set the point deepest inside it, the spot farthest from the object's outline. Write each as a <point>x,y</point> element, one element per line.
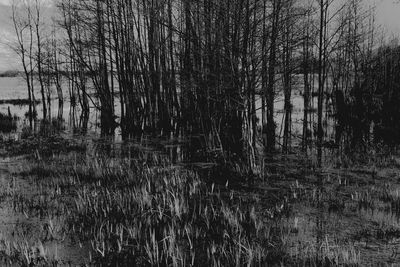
<point>23,48</point>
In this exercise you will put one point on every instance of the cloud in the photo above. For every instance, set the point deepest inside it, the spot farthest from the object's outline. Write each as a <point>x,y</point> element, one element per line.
<point>9,2</point>
<point>8,59</point>
<point>388,15</point>
<point>4,2</point>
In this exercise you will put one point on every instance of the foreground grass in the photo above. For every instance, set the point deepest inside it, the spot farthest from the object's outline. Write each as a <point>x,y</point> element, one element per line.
<point>160,215</point>
<point>130,213</point>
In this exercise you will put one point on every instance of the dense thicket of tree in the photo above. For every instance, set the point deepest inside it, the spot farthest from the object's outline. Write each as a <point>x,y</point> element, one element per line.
<point>207,68</point>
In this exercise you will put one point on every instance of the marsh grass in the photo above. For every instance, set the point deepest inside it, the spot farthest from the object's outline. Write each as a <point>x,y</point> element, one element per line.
<point>25,254</point>
<point>145,215</point>
<point>364,199</point>
<point>41,146</point>
<point>141,212</point>
<point>391,196</point>
<point>327,253</point>
<point>164,216</point>
<point>385,197</point>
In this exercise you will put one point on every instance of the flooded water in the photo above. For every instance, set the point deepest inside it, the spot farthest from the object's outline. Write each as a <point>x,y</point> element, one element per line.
<point>15,88</point>
<point>352,216</point>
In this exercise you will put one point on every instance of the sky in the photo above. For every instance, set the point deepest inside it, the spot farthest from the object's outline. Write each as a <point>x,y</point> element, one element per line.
<point>387,15</point>
<point>8,59</point>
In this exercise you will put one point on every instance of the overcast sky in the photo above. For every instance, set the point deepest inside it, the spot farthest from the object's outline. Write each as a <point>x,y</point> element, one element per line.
<point>387,15</point>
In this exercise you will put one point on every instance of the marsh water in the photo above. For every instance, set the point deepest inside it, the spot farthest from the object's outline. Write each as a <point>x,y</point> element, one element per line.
<point>14,88</point>
<point>352,214</point>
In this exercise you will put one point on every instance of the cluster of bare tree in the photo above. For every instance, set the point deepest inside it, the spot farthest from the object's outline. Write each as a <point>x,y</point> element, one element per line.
<point>207,67</point>
<point>37,49</point>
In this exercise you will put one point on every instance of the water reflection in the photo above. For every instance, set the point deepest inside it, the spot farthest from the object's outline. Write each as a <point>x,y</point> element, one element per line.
<point>374,233</point>
<point>88,122</point>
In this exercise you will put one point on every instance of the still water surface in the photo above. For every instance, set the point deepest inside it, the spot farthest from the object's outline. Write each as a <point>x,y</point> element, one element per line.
<point>15,88</point>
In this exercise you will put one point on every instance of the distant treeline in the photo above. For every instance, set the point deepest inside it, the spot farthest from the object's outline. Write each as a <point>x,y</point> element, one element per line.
<point>11,73</point>
<point>17,73</point>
